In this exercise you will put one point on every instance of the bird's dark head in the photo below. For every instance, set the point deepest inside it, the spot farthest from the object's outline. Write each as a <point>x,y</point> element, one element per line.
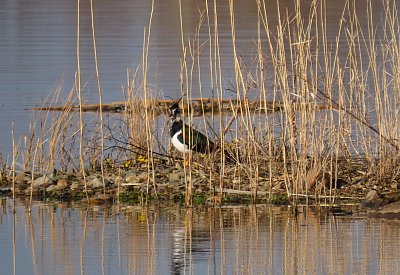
<point>174,111</point>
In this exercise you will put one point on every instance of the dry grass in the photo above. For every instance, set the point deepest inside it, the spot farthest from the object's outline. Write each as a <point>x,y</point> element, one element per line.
<point>357,77</point>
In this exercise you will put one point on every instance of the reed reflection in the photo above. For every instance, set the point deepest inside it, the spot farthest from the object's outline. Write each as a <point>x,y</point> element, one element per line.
<point>58,238</point>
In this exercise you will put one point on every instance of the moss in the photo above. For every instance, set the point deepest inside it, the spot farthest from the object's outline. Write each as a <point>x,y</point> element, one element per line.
<point>200,198</point>
<point>232,199</point>
<point>279,199</point>
<point>77,196</point>
<point>61,195</point>
<point>130,197</point>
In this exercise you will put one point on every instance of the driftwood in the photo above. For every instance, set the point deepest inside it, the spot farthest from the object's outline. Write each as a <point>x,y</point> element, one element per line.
<point>198,106</point>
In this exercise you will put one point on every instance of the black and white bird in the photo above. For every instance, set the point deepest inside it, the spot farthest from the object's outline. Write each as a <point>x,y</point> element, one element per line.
<point>184,138</point>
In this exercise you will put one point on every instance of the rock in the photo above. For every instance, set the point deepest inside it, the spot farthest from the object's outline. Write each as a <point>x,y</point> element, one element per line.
<point>23,178</point>
<point>62,183</point>
<point>96,182</point>
<point>118,179</point>
<point>394,186</point>
<point>18,191</point>
<point>42,181</point>
<point>372,196</point>
<point>372,200</point>
<point>142,177</point>
<point>105,197</point>
<point>174,177</point>
<point>35,191</point>
<point>52,188</point>
<point>132,178</point>
<point>74,186</point>
<point>78,174</point>
<point>390,211</point>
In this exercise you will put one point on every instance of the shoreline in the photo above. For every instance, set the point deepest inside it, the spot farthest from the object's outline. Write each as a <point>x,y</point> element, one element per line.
<point>133,185</point>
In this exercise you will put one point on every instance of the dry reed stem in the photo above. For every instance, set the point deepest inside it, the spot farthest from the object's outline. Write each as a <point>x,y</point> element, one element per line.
<point>100,98</point>
<point>78,83</point>
<point>149,135</point>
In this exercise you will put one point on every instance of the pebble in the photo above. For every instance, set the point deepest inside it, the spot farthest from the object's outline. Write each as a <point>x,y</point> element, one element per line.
<point>22,178</point>
<point>132,178</point>
<point>174,176</point>
<point>95,183</point>
<point>74,186</point>
<point>390,211</point>
<point>118,179</point>
<point>42,181</point>
<point>62,183</point>
<point>372,196</point>
<point>35,191</point>
<point>105,197</point>
<point>52,188</point>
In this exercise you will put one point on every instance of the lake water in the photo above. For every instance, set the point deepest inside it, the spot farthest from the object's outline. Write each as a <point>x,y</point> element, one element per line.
<point>74,239</point>
<point>38,48</point>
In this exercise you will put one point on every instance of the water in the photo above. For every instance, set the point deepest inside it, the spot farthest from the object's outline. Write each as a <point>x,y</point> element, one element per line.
<point>73,239</point>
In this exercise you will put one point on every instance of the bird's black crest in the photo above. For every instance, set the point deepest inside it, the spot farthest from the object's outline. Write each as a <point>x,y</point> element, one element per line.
<point>175,110</point>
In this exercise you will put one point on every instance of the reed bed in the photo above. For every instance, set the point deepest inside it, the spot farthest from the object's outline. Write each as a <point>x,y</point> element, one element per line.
<point>289,146</point>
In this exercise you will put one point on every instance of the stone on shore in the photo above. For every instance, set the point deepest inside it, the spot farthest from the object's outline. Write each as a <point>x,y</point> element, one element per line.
<point>96,182</point>
<point>74,186</point>
<point>43,181</point>
<point>53,188</point>
<point>389,211</point>
<point>175,176</point>
<point>23,178</point>
<point>372,200</point>
<point>372,196</point>
<point>140,178</point>
<point>62,184</point>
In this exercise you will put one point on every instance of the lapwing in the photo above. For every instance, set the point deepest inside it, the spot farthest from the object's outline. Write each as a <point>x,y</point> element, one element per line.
<point>184,138</point>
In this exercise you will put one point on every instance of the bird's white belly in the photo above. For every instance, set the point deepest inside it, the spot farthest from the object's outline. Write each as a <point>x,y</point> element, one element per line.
<point>178,145</point>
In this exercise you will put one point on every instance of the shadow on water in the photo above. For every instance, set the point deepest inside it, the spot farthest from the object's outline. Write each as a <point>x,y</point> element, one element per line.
<point>70,239</point>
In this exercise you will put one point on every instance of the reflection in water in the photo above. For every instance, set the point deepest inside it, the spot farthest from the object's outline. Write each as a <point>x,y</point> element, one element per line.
<point>59,239</point>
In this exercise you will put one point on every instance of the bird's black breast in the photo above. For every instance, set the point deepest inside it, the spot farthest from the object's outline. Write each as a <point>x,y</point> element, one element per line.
<point>189,136</point>
<point>176,126</point>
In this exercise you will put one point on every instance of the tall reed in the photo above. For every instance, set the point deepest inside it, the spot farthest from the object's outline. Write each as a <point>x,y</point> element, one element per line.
<point>305,111</point>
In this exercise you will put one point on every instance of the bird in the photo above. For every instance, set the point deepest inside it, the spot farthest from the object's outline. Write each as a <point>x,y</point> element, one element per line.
<point>184,138</point>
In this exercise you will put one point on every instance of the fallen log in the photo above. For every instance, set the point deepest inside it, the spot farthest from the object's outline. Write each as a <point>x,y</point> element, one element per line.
<point>197,106</point>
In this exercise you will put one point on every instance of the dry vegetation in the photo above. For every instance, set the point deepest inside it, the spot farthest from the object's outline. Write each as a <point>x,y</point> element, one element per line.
<point>297,149</point>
